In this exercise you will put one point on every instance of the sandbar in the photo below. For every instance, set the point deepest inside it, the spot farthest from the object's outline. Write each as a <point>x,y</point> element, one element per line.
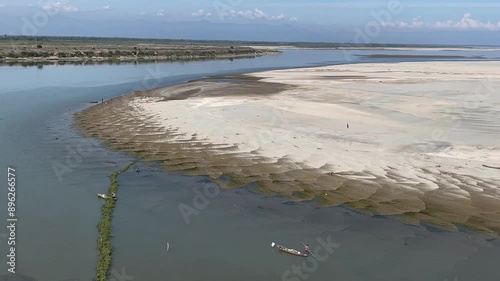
<point>413,140</point>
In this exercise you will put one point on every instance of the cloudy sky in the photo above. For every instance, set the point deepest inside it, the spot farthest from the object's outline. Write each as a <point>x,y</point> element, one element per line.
<point>368,21</point>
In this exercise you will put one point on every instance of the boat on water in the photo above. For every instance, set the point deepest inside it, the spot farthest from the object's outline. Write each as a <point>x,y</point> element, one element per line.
<point>105,196</point>
<point>288,250</point>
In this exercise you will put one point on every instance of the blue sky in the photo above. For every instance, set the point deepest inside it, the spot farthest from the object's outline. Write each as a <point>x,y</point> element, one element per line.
<point>412,16</point>
<point>308,11</point>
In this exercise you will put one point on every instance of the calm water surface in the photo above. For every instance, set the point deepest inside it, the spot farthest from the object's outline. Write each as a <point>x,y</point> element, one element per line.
<point>59,174</point>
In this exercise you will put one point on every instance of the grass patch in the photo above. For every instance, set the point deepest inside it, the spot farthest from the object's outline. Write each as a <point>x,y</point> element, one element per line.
<point>104,226</point>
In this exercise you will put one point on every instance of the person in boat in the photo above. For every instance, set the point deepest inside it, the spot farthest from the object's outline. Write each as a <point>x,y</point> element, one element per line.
<point>306,249</point>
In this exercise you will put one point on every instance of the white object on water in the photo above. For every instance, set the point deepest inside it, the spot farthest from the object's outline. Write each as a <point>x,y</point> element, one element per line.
<point>168,246</point>
<point>102,195</point>
<point>272,244</point>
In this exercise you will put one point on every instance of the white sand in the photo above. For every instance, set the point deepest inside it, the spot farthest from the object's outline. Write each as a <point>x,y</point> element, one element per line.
<point>409,122</point>
<point>371,48</point>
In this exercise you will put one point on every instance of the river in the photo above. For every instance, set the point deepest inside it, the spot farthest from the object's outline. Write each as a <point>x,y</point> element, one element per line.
<point>227,235</point>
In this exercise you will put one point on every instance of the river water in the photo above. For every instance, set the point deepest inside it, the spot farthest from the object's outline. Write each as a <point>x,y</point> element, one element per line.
<point>226,235</point>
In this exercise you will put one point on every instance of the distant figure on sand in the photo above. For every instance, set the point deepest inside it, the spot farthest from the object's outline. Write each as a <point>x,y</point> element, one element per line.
<point>347,125</point>
<point>306,248</point>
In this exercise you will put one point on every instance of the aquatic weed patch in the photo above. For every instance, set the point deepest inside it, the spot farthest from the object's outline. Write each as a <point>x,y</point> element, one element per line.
<point>104,226</point>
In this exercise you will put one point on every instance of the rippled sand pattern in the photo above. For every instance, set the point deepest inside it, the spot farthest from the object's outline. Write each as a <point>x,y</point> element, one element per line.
<point>417,179</point>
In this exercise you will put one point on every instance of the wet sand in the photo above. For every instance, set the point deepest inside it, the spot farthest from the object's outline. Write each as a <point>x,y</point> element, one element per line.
<point>419,136</point>
<point>402,56</point>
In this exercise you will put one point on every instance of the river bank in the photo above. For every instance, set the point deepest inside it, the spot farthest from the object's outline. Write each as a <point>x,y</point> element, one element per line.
<point>102,50</point>
<point>381,138</point>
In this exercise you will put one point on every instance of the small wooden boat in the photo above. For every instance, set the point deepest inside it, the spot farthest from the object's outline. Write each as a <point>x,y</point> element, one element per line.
<point>104,196</point>
<point>288,250</point>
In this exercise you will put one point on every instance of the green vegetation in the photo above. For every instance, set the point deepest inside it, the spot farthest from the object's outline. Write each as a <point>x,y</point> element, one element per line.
<point>27,49</point>
<point>104,243</point>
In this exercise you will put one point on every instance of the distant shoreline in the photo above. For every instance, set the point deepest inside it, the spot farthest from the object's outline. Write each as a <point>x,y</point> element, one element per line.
<point>291,44</point>
<point>33,50</point>
<point>29,50</point>
<point>80,60</point>
<point>118,54</point>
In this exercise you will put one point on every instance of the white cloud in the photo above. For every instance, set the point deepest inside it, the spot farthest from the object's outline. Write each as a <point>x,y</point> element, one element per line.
<point>294,19</point>
<point>160,13</point>
<point>3,5</point>
<point>260,14</point>
<point>59,7</point>
<point>244,14</point>
<point>143,13</point>
<point>253,15</point>
<point>278,17</point>
<point>107,7</point>
<point>201,13</point>
<point>415,23</point>
<point>467,22</point>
